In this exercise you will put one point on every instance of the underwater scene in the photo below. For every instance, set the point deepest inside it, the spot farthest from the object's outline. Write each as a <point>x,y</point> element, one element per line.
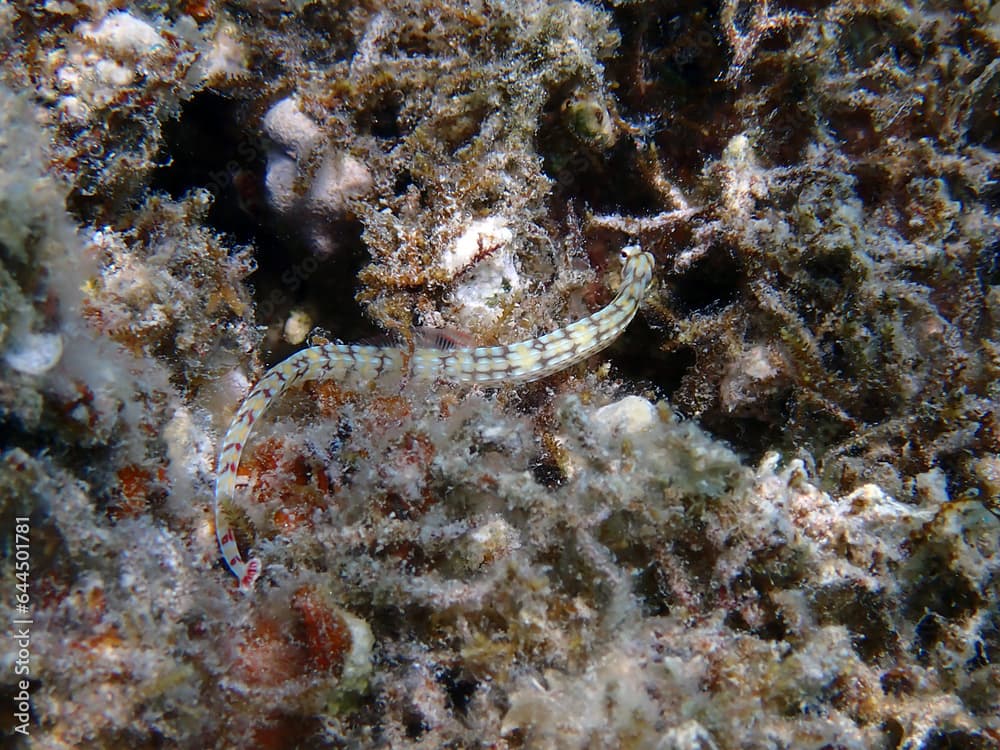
<point>502,375</point>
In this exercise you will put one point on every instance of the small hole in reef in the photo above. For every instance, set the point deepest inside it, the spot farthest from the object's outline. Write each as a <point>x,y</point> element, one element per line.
<point>458,690</point>
<point>205,148</point>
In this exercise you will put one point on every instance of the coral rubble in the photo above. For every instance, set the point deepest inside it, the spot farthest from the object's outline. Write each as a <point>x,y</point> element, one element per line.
<point>768,517</point>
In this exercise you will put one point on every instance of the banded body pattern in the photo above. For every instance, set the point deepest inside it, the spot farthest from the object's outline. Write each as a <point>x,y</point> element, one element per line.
<point>362,365</point>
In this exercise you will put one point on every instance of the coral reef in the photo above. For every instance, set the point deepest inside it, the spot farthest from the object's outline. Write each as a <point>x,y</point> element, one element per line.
<point>769,516</point>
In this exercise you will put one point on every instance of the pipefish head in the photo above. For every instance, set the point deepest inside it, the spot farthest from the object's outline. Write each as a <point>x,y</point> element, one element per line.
<point>637,266</point>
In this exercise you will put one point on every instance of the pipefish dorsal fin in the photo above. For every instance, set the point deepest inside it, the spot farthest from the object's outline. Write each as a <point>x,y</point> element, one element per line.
<point>423,337</point>
<point>445,339</point>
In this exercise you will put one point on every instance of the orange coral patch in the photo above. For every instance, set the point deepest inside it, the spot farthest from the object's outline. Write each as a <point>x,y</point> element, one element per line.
<point>327,636</point>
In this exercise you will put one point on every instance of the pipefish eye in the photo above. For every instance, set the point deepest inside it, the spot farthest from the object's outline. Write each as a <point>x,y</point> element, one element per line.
<point>628,252</point>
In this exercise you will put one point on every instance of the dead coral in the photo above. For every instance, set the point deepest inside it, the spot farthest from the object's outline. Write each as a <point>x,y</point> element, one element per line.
<point>849,234</point>
<point>169,286</point>
<point>109,80</point>
<point>444,124</point>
